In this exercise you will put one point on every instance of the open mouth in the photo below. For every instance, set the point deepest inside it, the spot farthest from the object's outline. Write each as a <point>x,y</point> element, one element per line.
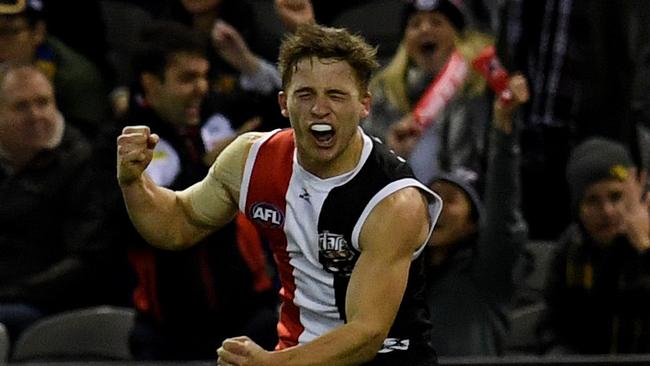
<point>428,47</point>
<point>193,110</point>
<point>608,227</point>
<point>323,133</point>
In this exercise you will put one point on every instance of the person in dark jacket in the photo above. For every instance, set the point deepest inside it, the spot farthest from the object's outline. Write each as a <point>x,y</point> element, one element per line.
<point>475,244</point>
<point>598,292</point>
<point>52,253</point>
<point>188,301</point>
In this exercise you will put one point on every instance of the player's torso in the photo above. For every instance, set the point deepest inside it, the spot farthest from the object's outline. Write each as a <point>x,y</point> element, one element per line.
<point>313,226</point>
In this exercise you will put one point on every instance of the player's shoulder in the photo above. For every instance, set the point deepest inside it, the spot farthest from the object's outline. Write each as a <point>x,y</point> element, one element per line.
<point>242,144</point>
<point>249,138</point>
<point>401,216</point>
<point>406,201</point>
<point>278,137</point>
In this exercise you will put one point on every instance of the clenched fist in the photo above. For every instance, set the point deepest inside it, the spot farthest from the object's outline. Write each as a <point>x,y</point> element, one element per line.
<point>241,351</point>
<point>134,153</point>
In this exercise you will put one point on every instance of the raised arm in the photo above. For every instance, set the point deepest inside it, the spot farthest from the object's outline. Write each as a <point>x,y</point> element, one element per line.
<point>293,13</point>
<point>393,232</point>
<point>160,215</point>
<point>503,230</point>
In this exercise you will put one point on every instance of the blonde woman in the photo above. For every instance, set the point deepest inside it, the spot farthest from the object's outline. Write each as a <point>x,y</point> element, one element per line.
<point>436,49</point>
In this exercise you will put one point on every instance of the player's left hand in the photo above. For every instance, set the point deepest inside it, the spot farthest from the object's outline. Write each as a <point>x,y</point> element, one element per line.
<point>241,351</point>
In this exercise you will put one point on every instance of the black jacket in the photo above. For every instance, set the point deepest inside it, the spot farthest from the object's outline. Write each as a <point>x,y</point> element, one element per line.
<point>598,297</point>
<point>52,249</point>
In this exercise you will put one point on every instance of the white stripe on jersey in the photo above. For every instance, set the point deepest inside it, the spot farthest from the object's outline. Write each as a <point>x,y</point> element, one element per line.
<point>314,293</point>
<point>248,168</point>
<point>435,207</point>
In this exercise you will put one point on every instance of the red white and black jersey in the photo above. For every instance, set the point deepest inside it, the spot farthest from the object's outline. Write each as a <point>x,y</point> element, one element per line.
<point>313,227</point>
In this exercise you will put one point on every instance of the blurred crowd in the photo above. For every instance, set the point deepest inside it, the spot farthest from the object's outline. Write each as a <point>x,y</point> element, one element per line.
<point>567,173</point>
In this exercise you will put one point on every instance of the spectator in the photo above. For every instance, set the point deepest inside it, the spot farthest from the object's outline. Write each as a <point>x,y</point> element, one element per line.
<point>189,301</point>
<point>52,254</point>
<point>583,75</point>
<point>242,84</point>
<point>431,47</point>
<point>359,16</point>
<point>598,292</point>
<point>201,15</point>
<point>474,247</point>
<point>81,93</point>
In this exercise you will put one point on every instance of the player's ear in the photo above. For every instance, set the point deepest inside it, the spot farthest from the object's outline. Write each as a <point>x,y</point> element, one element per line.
<point>365,105</point>
<point>282,101</point>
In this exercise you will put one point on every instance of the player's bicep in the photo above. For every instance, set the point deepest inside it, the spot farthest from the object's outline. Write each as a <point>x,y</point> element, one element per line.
<point>394,230</point>
<point>207,204</point>
<point>213,202</point>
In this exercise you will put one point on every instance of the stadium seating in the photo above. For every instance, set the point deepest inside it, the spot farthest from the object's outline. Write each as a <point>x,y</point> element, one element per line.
<point>97,333</point>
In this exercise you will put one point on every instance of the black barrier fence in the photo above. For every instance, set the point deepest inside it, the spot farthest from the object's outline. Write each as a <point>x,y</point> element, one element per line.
<point>555,360</point>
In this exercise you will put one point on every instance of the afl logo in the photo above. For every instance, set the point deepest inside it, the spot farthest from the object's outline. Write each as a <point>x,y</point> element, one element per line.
<point>266,215</point>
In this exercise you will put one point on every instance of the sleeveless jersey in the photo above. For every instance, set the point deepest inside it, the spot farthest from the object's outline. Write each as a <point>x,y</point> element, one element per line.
<point>312,226</point>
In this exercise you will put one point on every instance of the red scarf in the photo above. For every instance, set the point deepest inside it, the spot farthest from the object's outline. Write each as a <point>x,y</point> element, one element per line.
<point>441,90</point>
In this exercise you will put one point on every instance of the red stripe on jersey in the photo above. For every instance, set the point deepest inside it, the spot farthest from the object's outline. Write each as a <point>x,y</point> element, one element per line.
<point>266,200</point>
<point>251,247</point>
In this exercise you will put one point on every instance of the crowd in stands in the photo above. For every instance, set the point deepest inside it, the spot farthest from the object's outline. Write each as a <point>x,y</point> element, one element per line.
<point>568,167</point>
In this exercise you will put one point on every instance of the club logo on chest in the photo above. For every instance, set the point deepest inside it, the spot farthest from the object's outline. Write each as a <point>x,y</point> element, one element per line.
<point>335,253</point>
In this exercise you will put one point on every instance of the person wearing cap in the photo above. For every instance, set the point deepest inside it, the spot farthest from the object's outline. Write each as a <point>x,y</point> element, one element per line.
<point>81,91</point>
<point>436,40</point>
<point>598,292</point>
<point>475,245</point>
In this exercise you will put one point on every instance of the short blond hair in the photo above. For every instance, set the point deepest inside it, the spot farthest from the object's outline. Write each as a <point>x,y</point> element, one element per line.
<point>313,40</point>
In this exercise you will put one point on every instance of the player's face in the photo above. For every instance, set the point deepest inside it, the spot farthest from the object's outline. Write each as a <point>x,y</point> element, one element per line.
<point>429,39</point>
<point>178,97</point>
<point>602,209</point>
<point>324,105</point>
